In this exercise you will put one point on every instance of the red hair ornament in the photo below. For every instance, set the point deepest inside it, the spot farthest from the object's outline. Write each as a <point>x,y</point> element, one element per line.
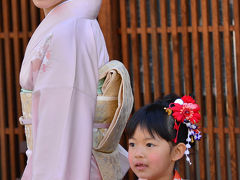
<point>186,111</point>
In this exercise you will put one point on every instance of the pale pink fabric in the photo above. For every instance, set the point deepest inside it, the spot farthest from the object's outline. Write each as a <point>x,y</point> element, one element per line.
<point>61,67</point>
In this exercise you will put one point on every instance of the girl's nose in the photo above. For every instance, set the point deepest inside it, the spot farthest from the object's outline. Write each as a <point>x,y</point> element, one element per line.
<point>139,153</point>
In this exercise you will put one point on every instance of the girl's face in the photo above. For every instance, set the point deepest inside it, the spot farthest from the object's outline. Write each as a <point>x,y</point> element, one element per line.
<point>150,157</point>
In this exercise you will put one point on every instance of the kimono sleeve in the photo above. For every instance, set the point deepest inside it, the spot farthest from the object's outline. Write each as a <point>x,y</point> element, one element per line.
<point>64,102</point>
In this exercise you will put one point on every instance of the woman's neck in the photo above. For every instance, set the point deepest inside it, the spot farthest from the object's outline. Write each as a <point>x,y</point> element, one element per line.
<point>47,10</point>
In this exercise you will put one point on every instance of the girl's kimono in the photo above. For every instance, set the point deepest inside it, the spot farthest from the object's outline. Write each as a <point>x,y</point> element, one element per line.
<point>61,68</point>
<point>175,177</point>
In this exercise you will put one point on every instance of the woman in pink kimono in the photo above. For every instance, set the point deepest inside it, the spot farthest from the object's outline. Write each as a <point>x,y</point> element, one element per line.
<point>60,67</point>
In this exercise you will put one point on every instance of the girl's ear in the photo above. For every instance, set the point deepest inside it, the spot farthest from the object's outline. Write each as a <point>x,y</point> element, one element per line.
<point>178,151</point>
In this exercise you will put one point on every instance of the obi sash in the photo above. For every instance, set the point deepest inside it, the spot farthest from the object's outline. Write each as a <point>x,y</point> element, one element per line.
<point>113,108</point>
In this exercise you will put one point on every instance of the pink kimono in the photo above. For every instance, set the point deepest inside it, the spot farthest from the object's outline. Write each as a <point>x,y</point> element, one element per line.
<point>61,68</point>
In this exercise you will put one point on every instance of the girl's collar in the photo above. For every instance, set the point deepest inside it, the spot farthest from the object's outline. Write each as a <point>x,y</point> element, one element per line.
<point>176,176</point>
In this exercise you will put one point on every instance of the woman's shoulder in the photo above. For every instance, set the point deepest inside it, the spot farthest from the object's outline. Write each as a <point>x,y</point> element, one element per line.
<point>71,26</point>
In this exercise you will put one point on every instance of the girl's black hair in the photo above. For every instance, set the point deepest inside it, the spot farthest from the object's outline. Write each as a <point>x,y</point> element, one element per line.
<point>156,120</point>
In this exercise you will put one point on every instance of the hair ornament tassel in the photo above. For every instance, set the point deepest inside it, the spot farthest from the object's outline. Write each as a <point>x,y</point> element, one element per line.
<point>186,111</point>
<point>176,126</point>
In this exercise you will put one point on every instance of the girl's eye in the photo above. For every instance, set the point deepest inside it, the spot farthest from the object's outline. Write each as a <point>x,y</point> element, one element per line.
<point>131,144</point>
<point>149,145</point>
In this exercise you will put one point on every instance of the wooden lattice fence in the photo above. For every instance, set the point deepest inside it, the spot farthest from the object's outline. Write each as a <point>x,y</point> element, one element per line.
<point>182,46</point>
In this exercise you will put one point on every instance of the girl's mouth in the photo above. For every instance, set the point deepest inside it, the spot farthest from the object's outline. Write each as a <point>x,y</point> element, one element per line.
<point>140,166</point>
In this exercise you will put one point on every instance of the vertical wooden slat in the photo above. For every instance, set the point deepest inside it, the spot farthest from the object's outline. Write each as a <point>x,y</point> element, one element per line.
<point>17,66</point>
<point>125,49</point>
<point>25,23</point>
<point>124,37</point>
<point>33,12</point>
<point>198,80</point>
<point>187,63</point>
<point>155,51</point>
<point>16,57</point>
<point>219,89</point>
<point>208,86</point>
<point>25,27</point>
<point>9,89</point>
<point>145,56</point>
<point>236,10</point>
<point>3,175</point>
<point>108,21</point>
<point>176,63</point>
<point>186,49</point>
<point>165,48</point>
<point>1,19</point>
<point>230,89</point>
<point>176,60</point>
<point>135,55</point>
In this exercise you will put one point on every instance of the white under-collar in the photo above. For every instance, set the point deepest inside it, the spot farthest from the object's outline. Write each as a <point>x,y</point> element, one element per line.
<point>58,6</point>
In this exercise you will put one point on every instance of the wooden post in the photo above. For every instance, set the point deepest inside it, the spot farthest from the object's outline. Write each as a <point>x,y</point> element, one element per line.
<point>108,19</point>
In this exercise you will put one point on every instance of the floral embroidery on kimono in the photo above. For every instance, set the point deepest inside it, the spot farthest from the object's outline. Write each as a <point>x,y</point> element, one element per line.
<point>40,61</point>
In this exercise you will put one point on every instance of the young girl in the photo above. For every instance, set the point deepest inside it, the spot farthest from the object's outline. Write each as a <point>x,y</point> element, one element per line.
<point>160,134</point>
